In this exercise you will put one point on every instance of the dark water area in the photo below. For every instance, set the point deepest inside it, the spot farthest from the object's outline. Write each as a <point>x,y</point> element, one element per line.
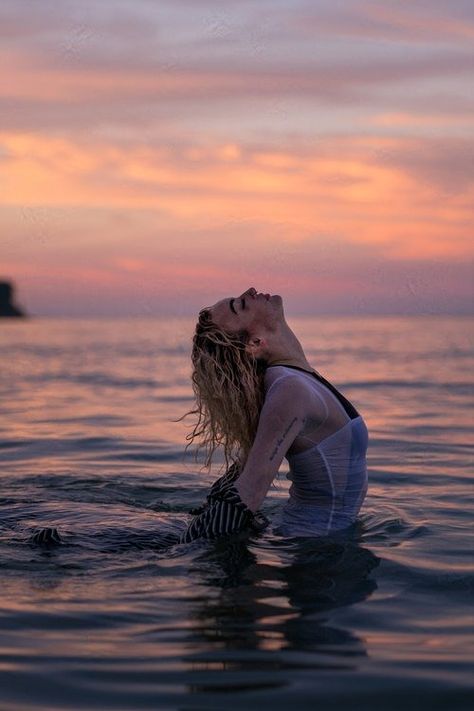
<point>112,620</point>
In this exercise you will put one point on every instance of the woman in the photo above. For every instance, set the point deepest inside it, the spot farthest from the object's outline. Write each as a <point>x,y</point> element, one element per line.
<point>259,398</point>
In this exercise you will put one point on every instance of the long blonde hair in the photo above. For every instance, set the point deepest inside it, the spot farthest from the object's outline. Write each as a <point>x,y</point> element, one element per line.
<point>228,388</point>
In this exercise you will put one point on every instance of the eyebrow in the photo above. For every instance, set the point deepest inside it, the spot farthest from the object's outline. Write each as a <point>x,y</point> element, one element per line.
<point>232,308</point>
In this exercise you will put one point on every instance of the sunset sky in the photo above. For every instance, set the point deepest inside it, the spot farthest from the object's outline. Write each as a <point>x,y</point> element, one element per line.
<point>157,155</point>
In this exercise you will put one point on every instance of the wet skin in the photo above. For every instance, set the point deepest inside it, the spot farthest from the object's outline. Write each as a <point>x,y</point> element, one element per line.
<point>250,311</point>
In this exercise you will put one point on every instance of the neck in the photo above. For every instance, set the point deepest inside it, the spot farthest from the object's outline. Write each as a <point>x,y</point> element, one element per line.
<point>287,350</point>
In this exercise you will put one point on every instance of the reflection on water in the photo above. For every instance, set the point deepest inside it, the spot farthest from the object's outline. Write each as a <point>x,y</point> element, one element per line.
<point>263,609</point>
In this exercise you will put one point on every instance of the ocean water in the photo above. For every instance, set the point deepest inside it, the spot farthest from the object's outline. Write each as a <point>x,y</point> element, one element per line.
<point>89,443</point>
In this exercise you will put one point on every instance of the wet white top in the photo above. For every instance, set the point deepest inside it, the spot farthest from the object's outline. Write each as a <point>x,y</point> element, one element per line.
<point>327,459</point>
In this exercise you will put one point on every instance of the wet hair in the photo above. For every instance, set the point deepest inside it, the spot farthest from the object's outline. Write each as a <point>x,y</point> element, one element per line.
<point>228,388</point>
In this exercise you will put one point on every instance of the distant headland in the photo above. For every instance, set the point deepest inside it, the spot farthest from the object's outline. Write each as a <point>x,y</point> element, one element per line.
<point>7,306</point>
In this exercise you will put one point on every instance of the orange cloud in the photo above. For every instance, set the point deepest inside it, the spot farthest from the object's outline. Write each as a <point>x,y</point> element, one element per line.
<point>361,189</point>
<point>220,149</point>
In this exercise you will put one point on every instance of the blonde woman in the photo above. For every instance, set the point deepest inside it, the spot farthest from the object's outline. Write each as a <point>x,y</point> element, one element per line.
<point>259,399</point>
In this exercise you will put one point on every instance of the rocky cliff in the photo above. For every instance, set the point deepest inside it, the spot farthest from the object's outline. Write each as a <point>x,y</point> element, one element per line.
<point>7,307</point>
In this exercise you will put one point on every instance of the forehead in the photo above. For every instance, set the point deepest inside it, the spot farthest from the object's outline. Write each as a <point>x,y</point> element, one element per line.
<point>222,314</point>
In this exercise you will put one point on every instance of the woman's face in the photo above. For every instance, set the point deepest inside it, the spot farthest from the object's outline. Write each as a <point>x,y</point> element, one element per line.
<point>248,312</point>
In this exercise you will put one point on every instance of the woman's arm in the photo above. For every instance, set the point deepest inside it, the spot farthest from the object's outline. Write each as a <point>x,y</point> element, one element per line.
<point>234,502</point>
<point>282,418</point>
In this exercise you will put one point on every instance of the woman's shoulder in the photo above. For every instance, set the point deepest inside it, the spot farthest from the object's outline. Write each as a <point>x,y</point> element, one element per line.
<point>282,380</point>
<point>275,374</point>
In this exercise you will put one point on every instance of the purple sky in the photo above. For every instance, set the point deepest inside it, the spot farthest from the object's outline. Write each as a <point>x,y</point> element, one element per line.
<point>156,156</point>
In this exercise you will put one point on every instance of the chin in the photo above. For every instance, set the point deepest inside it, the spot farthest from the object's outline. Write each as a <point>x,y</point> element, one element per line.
<point>277,303</point>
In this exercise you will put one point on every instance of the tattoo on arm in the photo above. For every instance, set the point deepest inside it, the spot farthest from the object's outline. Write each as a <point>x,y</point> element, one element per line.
<point>281,439</point>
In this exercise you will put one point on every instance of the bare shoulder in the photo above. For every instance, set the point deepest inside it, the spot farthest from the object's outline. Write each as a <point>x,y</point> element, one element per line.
<point>286,389</point>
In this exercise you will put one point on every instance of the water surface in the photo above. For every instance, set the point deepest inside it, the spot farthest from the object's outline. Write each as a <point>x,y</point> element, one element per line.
<point>108,620</point>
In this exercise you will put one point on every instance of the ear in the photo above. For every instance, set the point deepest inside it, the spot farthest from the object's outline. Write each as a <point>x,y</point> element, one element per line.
<point>256,346</point>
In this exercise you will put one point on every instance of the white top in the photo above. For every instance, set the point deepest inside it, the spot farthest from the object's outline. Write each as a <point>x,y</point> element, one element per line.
<point>327,458</point>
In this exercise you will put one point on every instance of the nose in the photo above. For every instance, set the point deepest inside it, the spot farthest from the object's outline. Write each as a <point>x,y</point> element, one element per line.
<point>250,292</point>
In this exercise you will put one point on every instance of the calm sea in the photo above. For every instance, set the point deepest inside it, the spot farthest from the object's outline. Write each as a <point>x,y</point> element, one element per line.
<point>89,444</point>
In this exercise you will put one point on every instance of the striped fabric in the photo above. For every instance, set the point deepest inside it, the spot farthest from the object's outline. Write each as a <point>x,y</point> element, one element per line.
<point>223,511</point>
<point>225,515</point>
<point>46,537</point>
<point>220,485</point>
